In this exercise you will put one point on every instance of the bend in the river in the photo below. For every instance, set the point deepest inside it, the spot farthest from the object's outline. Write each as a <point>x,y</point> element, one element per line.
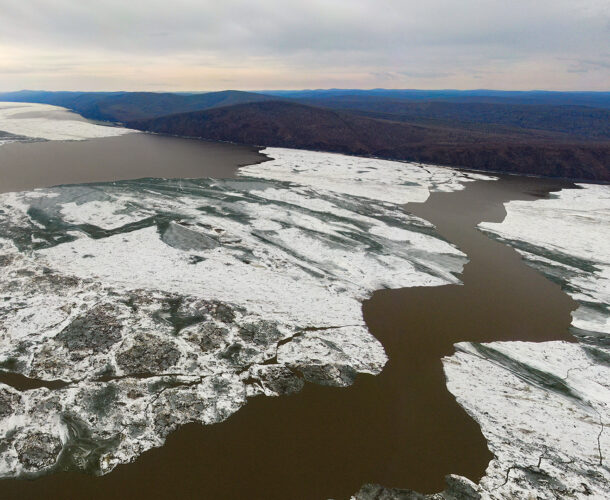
<point>402,428</point>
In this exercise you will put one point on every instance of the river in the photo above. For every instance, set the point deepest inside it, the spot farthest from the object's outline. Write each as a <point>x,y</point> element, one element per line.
<point>401,428</point>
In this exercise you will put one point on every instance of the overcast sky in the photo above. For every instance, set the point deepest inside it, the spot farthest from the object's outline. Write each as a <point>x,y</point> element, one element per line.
<point>288,44</point>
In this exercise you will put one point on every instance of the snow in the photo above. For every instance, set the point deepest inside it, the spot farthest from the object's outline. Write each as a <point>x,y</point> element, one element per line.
<point>542,422</point>
<point>53,123</point>
<point>383,180</point>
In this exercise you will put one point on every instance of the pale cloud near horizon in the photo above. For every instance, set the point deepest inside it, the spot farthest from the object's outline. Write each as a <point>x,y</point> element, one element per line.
<point>272,44</point>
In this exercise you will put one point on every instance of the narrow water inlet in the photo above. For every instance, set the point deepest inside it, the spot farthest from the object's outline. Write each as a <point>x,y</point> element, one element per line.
<point>23,383</point>
<point>401,428</point>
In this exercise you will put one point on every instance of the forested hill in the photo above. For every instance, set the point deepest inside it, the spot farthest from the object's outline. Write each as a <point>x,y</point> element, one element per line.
<point>295,125</point>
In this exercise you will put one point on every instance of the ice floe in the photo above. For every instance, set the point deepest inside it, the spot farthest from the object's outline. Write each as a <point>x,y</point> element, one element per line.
<point>43,121</point>
<point>391,181</point>
<point>161,302</point>
<point>543,409</point>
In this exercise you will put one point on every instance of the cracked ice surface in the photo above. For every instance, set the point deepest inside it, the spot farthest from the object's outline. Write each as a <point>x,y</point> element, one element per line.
<point>399,183</point>
<point>544,408</point>
<point>162,302</point>
<point>43,121</point>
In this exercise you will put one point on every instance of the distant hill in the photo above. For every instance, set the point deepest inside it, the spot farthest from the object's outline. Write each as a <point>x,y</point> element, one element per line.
<point>289,124</point>
<point>537,97</point>
<point>582,122</point>
<point>127,106</point>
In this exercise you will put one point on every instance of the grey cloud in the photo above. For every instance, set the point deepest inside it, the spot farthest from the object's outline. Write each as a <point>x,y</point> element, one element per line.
<point>426,74</point>
<point>278,27</point>
<point>588,65</point>
<point>437,39</point>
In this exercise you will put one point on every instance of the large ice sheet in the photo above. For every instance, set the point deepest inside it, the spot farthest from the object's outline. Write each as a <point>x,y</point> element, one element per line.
<point>391,181</point>
<point>43,121</point>
<point>543,409</point>
<point>160,302</point>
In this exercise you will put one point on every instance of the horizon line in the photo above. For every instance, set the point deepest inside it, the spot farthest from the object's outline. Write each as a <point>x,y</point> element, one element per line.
<point>330,89</point>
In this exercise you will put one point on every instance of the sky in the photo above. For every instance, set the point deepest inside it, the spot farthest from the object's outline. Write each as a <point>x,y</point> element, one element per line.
<point>197,45</point>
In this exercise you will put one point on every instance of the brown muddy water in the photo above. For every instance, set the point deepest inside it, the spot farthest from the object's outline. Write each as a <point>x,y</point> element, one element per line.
<point>402,428</point>
<point>31,165</point>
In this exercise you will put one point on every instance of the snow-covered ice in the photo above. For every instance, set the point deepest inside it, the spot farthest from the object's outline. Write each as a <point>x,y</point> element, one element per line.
<point>391,181</point>
<point>53,123</point>
<point>543,408</point>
